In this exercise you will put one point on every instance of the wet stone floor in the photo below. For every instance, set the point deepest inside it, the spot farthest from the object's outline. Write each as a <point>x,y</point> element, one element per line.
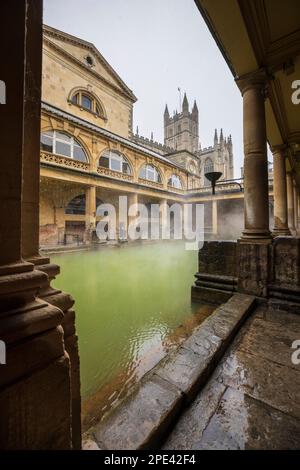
<point>252,401</point>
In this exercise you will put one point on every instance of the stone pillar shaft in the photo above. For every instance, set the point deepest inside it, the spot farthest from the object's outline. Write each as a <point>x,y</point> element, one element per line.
<point>256,201</point>
<point>280,193</point>
<point>290,201</point>
<point>295,193</point>
<point>90,207</point>
<point>11,125</point>
<point>215,217</point>
<point>163,215</point>
<point>32,115</point>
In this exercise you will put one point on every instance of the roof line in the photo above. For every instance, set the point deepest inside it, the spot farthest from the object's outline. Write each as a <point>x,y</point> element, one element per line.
<point>57,111</point>
<point>90,45</point>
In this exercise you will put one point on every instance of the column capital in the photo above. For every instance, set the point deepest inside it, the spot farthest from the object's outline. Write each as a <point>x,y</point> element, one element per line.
<point>257,79</point>
<point>279,149</point>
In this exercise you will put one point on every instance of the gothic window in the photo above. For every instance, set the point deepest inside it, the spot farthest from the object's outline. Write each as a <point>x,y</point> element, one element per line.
<point>63,144</point>
<point>170,132</point>
<point>88,102</point>
<point>208,168</point>
<point>174,182</point>
<point>114,161</point>
<point>179,128</point>
<point>150,173</point>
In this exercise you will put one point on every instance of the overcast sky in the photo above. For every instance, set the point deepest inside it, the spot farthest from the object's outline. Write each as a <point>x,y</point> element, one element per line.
<point>157,46</point>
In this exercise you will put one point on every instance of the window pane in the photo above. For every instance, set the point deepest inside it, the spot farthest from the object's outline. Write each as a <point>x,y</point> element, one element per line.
<point>75,98</point>
<point>116,164</point>
<point>62,136</point>
<point>86,102</point>
<point>63,149</point>
<point>126,168</point>
<point>78,153</point>
<point>47,143</point>
<point>104,161</point>
<point>143,173</point>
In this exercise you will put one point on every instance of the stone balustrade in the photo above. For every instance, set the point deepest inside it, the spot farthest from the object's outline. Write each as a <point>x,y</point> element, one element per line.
<point>47,157</point>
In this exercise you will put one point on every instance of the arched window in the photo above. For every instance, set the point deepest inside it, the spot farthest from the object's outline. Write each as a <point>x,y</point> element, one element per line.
<point>114,161</point>
<point>87,101</point>
<point>208,168</point>
<point>63,144</point>
<point>150,173</point>
<point>76,206</point>
<point>175,182</point>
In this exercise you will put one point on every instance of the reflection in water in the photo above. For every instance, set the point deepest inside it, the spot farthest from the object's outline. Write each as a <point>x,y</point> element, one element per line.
<point>132,305</point>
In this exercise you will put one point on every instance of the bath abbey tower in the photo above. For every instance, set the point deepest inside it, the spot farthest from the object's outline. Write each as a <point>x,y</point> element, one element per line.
<point>182,145</point>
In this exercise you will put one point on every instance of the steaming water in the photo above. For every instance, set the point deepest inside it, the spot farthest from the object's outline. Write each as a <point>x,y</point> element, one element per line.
<point>132,304</point>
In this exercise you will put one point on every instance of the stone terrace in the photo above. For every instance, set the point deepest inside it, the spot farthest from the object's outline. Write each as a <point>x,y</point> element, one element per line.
<point>252,400</point>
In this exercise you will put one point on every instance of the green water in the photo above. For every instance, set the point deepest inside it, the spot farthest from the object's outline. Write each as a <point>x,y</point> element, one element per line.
<point>129,299</point>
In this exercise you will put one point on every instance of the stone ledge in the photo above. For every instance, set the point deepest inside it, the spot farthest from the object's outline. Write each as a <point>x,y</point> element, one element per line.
<point>144,417</point>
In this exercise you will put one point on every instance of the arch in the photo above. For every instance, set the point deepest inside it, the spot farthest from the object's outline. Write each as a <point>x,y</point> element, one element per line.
<point>77,205</point>
<point>62,143</point>
<point>115,161</point>
<point>175,181</point>
<point>87,100</point>
<point>150,172</point>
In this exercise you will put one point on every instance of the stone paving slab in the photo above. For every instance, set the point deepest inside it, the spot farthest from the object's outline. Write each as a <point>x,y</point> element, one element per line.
<point>195,419</point>
<point>264,380</point>
<point>271,341</point>
<point>242,422</point>
<point>145,416</point>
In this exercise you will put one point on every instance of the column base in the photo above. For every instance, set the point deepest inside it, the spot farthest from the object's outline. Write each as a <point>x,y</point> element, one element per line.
<point>281,232</point>
<point>256,236</point>
<point>37,369</point>
<point>65,303</point>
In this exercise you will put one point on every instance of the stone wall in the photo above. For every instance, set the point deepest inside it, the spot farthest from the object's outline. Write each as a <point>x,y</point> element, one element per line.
<point>266,270</point>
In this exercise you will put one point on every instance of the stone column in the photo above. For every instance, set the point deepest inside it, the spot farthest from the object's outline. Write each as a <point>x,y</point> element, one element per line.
<point>90,212</point>
<point>215,217</point>
<point>254,245</point>
<point>90,207</point>
<point>163,217</point>
<point>35,383</point>
<point>290,201</point>
<point>295,193</point>
<point>132,199</point>
<point>280,193</point>
<point>256,199</point>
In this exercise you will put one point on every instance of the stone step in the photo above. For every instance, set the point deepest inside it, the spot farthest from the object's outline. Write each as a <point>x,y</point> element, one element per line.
<point>143,419</point>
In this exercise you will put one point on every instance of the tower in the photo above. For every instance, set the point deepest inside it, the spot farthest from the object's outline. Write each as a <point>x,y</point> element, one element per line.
<point>181,132</point>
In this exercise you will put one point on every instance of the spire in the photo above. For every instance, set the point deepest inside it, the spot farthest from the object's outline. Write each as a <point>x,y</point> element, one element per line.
<point>221,136</point>
<point>195,111</point>
<point>185,104</point>
<point>151,136</point>
<point>166,115</point>
<point>137,130</point>
<point>216,138</point>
